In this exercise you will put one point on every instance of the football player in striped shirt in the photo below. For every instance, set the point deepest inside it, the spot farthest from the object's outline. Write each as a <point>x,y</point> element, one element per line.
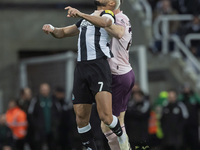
<point>92,76</point>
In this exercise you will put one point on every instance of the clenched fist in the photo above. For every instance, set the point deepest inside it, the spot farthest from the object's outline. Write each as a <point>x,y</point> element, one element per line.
<point>48,28</point>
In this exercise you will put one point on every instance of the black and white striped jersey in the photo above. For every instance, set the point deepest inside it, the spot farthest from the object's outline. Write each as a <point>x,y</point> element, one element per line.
<point>93,42</point>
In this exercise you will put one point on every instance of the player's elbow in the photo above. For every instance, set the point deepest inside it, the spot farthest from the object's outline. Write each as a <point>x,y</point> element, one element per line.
<point>107,23</point>
<point>59,33</point>
<point>118,35</point>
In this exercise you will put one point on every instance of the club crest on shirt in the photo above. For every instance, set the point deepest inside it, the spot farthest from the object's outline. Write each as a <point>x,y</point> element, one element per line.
<point>85,23</point>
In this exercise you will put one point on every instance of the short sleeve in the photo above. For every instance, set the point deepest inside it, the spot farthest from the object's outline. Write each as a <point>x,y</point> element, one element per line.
<point>121,21</point>
<point>79,23</point>
<point>109,14</point>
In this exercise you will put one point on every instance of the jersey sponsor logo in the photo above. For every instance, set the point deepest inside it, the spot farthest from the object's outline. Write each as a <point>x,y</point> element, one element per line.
<point>86,23</point>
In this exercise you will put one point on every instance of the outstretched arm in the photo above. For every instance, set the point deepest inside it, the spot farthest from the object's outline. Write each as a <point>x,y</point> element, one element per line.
<point>106,22</point>
<point>116,31</point>
<point>98,20</point>
<point>61,32</point>
<point>101,21</point>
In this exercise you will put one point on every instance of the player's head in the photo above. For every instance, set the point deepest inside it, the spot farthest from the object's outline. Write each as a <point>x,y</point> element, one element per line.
<point>108,4</point>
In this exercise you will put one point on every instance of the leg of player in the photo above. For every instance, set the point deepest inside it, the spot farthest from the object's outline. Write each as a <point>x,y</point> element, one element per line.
<point>121,119</point>
<point>83,112</point>
<point>121,91</point>
<point>104,108</point>
<point>112,138</point>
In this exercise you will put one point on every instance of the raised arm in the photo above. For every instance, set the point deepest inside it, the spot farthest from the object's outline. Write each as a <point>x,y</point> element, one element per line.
<point>116,31</point>
<point>61,32</point>
<point>100,21</point>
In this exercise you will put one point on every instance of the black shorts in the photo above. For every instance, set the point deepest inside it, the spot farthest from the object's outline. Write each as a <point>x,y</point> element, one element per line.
<point>91,77</point>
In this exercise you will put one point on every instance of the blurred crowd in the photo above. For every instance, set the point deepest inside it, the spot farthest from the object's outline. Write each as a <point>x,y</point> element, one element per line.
<point>41,122</point>
<point>47,122</point>
<point>170,122</point>
<point>180,28</point>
